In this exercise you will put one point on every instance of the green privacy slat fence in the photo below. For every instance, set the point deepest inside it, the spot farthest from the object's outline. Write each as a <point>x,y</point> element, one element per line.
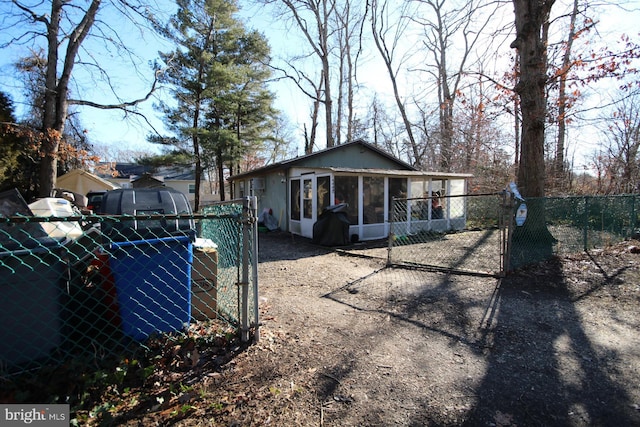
<point>478,233</point>
<point>574,224</point>
<point>76,286</point>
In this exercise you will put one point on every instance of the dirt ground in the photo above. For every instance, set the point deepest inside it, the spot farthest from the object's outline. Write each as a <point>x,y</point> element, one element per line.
<point>346,341</point>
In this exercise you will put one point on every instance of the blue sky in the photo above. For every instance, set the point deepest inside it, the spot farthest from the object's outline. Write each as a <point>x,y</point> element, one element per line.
<point>109,127</point>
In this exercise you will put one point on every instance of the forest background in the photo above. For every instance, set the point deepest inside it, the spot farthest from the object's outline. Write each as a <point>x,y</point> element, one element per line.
<point>228,86</point>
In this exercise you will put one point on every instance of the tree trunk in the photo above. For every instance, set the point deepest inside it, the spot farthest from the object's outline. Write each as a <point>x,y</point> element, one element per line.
<point>446,132</point>
<point>323,28</point>
<point>531,18</point>
<point>446,95</point>
<point>347,23</point>
<point>196,140</point>
<point>339,119</point>
<point>220,165</point>
<point>350,77</point>
<point>559,172</point>
<point>378,16</point>
<point>328,103</point>
<point>532,242</point>
<point>56,88</point>
<point>516,131</point>
<point>49,148</point>
<point>321,12</point>
<point>198,162</point>
<point>314,121</point>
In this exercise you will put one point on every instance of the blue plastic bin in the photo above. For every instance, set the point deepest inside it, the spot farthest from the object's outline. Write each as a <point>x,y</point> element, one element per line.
<point>153,284</point>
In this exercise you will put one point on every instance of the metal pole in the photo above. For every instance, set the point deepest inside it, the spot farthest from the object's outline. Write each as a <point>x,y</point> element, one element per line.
<point>254,265</point>
<point>585,228</point>
<point>391,233</point>
<point>509,212</point>
<point>503,229</point>
<point>244,283</point>
<point>632,219</point>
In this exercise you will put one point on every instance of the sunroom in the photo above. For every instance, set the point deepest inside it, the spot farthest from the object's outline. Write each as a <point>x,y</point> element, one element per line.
<point>421,199</point>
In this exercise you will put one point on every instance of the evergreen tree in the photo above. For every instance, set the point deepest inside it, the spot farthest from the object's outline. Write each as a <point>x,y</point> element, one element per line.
<point>218,74</point>
<point>8,141</point>
<point>18,159</point>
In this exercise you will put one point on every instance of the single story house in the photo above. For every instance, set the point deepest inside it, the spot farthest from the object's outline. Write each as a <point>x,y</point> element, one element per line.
<point>363,176</point>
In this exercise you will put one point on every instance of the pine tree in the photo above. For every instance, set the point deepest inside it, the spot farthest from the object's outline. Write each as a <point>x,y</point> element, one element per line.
<point>18,166</point>
<point>218,73</point>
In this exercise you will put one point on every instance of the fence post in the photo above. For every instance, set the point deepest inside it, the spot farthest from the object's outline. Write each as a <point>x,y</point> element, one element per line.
<point>632,220</point>
<point>508,219</point>
<point>585,226</point>
<point>254,266</point>
<point>244,282</point>
<point>392,211</point>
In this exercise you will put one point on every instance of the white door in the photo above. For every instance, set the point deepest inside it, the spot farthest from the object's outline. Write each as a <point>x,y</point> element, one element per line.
<point>308,217</point>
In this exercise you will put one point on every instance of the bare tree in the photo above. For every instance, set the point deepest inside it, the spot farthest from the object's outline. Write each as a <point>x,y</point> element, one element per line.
<point>623,149</point>
<point>445,24</point>
<point>282,146</point>
<point>562,93</point>
<point>313,90</point>
<point>349,34</point>
<point>61,31</point>
<point>576,63</point>
<point>313,19</point>
<point>481,146</point>
<point>565,86</point>
<point>73,151</point>
<point>311,142</point>
<point>386,131</point>
<point>427,130</point>
<point>312,85</point>
<point>387,37</point>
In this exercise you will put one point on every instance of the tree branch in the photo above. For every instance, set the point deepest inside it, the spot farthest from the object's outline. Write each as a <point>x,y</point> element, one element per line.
<point>122,105</point>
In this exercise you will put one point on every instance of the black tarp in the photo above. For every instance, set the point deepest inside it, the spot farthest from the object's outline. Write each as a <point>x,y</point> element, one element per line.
<point>332,227</point>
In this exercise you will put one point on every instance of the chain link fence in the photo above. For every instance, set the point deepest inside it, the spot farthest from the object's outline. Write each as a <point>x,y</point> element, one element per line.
<point>564,225</point>
<point>99,286</point>
<point>480,234</point>
<point>454,233</point>
<point>234,227</point>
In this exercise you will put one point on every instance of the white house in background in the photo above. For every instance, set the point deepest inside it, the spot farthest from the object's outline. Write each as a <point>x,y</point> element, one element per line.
<point>130,175</point>
<point>360,174</point>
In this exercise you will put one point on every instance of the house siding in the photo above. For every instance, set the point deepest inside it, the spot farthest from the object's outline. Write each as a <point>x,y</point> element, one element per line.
<point>355,156</point>
<point>271,196</point>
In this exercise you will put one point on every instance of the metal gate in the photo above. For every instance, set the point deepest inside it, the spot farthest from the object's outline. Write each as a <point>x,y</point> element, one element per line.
<point>461,234</point>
